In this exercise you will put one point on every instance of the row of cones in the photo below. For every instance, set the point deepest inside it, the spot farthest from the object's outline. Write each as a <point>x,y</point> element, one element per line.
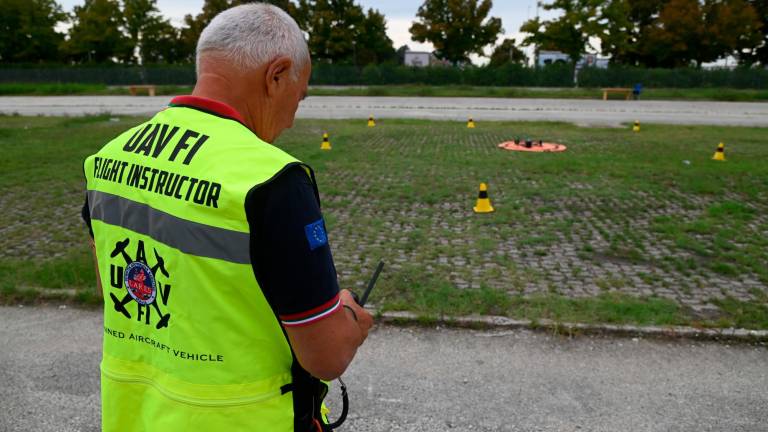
<point>326,145</point>
<point>372,122</point>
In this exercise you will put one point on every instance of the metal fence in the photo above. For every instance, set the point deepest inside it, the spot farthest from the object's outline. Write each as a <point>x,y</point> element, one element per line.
<point>109,75</point>
<point>557,75</point>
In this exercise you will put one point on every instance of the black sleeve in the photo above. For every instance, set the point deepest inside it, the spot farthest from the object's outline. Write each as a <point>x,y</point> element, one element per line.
<point>290,252</point>
<point>86,215</point>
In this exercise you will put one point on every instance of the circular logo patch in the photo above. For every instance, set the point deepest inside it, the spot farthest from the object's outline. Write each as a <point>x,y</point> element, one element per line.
<point>140,283</point>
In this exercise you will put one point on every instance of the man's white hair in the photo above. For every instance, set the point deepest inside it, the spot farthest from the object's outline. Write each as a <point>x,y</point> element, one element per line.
<point>253,34</point>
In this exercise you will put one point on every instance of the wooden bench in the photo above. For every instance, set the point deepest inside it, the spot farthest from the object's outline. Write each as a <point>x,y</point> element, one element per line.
<point>626,91</point>
<point>134,89</point>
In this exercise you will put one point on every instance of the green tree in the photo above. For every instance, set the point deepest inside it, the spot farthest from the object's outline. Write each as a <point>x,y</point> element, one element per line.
<point>508,52</point>
<point>734,27</point>
<point>96,34</point>
<point>27,30</point>
<point>152,38</point>
<point>675,39</point>
<point>689,32</point>
<point>570,32</point>
<point>333,26</point>
<point>194,25</point>
<point>159,43</point>
<point>619,33</point>
<point>759,54</point>
<point>372,43</point>
<point>341,32</point>
<point>456,28</point>
<point>667,33</point>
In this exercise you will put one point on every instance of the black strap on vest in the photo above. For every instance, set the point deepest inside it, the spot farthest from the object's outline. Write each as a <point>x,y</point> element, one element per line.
<point>308,395</point>
<point>344,407</point>
<point>308,391</point>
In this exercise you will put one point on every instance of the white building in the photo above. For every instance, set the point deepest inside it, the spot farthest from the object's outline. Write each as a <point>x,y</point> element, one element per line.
<point>588,60</point>
<point>419,58</point>
<point>552,57</point>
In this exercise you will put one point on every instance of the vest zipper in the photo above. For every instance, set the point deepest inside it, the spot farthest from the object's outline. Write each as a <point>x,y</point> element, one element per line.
<point>189,400</point>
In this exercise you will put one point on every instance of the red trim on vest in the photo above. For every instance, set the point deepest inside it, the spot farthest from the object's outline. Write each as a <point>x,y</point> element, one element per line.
<point>211,105</point>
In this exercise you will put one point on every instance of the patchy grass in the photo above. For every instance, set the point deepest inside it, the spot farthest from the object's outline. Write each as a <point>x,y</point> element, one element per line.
<point>612,308</point>
<point>617,229</point>
<point>74,270</point>
<point>742,314</point>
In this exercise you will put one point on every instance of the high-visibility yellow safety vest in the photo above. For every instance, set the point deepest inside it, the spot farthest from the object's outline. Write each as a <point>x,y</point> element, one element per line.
<point>190,342</point>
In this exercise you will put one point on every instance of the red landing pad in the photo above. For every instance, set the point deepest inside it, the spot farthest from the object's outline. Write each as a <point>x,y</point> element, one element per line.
<point>543,148</point>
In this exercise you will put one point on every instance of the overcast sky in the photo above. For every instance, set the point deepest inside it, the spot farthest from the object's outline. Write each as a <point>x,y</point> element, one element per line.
<point>399,14</point>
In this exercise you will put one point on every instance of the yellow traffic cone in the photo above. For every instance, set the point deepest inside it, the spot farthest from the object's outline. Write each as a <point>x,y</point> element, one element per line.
<point>483,202</point>
<point>470,123</point>
<point>719,153</point>
<point>371,122</point>
<point>326,145</point>
<point>636,127</point>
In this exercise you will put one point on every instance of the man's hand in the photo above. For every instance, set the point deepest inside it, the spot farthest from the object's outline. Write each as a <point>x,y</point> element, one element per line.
<point>358,313</point>
<point>326,348</point>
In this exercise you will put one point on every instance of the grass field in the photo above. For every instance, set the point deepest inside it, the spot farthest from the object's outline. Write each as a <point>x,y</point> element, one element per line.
<point>622,228</point>
<point>702,94</point>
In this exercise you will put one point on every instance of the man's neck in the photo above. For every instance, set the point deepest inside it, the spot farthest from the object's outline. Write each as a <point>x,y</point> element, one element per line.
<point>221,89</point>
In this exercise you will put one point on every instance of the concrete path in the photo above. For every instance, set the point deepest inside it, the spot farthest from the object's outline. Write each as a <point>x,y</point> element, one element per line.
<point>433,380</point>
<point>582,112</point>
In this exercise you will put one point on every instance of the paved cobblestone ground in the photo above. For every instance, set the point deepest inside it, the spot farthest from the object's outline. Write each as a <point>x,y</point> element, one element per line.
<point>578,235</point>
<point>616,213</point>
<point>575,259</point>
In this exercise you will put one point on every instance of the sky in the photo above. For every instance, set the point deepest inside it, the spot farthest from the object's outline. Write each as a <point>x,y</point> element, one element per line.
<point>399,14</point>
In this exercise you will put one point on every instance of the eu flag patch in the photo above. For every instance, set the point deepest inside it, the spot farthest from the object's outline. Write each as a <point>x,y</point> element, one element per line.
<point>316,234</point>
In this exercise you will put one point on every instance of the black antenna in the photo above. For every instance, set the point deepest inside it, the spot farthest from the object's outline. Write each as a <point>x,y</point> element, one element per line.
<point>371,283</point>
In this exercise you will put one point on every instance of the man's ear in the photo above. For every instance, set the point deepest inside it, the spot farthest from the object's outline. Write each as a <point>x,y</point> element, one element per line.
<point>278,74</point>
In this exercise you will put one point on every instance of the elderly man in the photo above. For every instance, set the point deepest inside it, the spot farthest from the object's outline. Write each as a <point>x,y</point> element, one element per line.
<point>222,308</point>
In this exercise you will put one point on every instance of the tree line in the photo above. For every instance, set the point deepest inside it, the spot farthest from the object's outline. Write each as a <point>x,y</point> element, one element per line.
<point>650,33</point>
<point>135,32</point>
<point>656,33</point>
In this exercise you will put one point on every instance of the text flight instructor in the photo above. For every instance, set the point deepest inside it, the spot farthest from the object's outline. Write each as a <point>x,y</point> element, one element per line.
<point>222,308</point>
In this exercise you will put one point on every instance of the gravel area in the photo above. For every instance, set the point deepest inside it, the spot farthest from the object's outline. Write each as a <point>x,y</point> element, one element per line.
<point>582,112</point>
<point>410,379</point>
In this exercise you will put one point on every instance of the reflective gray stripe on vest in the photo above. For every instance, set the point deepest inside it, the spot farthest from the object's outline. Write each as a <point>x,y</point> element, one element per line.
<point>192,238</point>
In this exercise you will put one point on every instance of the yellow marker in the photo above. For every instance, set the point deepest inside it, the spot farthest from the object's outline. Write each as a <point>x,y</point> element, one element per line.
<point>371,122</point>
<point>719,153</point>
<point>470,123</point>
<point>326,145</point>
<point>483,202</point>
<point>636,127</point>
